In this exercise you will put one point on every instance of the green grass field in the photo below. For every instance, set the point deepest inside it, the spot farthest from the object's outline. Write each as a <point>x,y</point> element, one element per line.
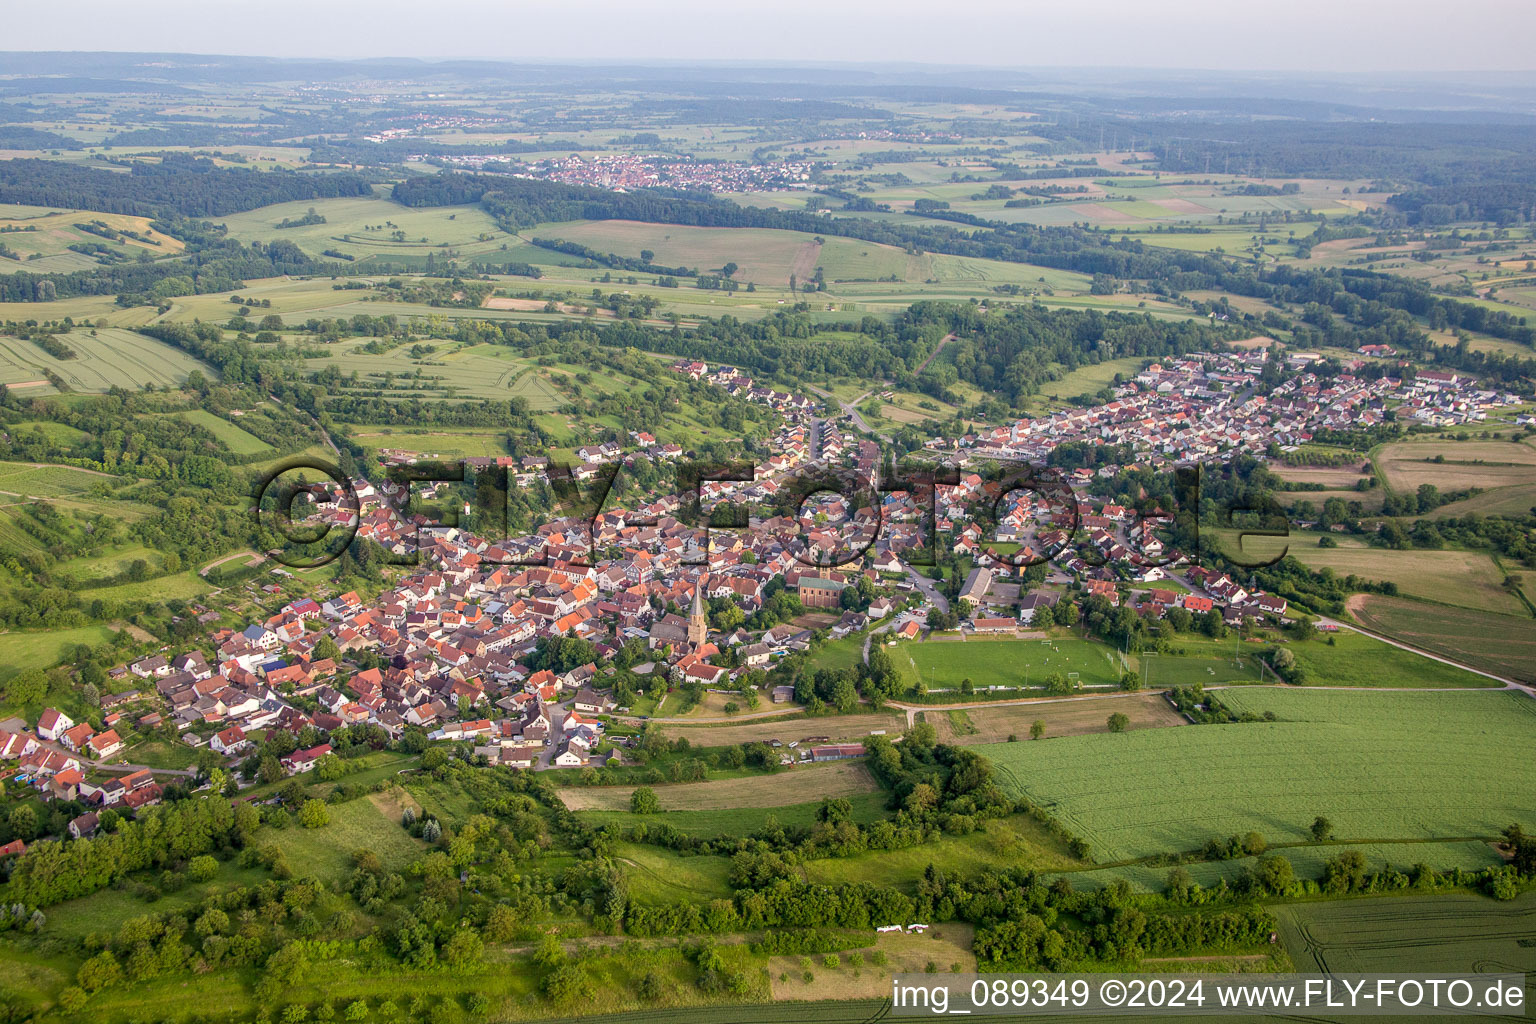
<point>740,821</point>
<point>658,876</point>
<point>364,228</point>
<point>1354,659</point>
<point>1379,765</point>
<point>355,825</point>
<point>942,664</point>
<point>1306,862</point>
<point>1018,841</point>
<point>239,441</point>
<point>46,481</point>
<point>44,648</point>
<point>1502,644</point>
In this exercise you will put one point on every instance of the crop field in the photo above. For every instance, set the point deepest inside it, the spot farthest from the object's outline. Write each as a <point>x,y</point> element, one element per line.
<point>1379,765</point>
<point>1502,644</point>
<point>108,357</point>
<point>942,664</point>
<point>50,481</point>
<point>797,786</point>
<point>1465,578</point>
<point>838,728</point>
<point>44,238</point>
<point>1453,933</point>
<point>364,228</point>
<point>1485,464</point>
<point>1062,718</point>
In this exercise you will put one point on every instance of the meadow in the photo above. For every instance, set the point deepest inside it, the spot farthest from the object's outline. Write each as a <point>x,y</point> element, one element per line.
<point>1061,717</point>
<point>1502,644</point>
<point>47,481</point>
<point>44,648</point>
<point>837,729</point>
<point>355,825</point>
<point>43,238</point>
<point>834,779</point>
<point>1307,861</point>
<point>1378,765</point>
<point>739,821</point>
<point>1015,841</point>
<point>365,229</point>
<point>236,439</point>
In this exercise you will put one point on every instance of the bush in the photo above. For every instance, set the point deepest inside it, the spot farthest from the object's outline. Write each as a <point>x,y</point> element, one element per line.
<point>202,869</point>
<point>314,814</point>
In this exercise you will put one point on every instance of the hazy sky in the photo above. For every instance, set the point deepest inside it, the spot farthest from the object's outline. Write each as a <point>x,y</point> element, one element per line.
<point>1312,35</point>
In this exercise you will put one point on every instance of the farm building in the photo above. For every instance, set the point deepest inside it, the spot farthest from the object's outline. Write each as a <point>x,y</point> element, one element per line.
<point>837,752</point>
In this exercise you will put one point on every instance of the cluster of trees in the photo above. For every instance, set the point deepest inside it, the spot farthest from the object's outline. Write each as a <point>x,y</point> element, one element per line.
<point>50,872</point>
<point>214,264</point>
<point>178,185</point>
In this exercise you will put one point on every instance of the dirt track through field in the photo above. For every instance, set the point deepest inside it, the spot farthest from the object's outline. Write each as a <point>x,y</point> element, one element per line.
<point>794,786</point>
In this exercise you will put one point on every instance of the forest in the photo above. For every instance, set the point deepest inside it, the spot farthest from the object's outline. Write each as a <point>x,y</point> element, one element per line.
<point>177,185</point>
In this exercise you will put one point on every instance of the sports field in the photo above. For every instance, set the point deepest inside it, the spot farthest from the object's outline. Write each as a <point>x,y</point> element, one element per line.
<point>941,664</point>
<point>1379,765</point>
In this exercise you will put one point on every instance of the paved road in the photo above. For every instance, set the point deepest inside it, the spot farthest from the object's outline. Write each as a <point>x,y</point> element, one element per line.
<point>928,588</point>
<point>850,409</point>
<point>115,766</point>
<point>556,730</point>
<point>1509,684</point>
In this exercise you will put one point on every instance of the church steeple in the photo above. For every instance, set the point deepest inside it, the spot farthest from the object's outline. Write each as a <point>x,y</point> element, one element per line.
<point>698,620</point>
